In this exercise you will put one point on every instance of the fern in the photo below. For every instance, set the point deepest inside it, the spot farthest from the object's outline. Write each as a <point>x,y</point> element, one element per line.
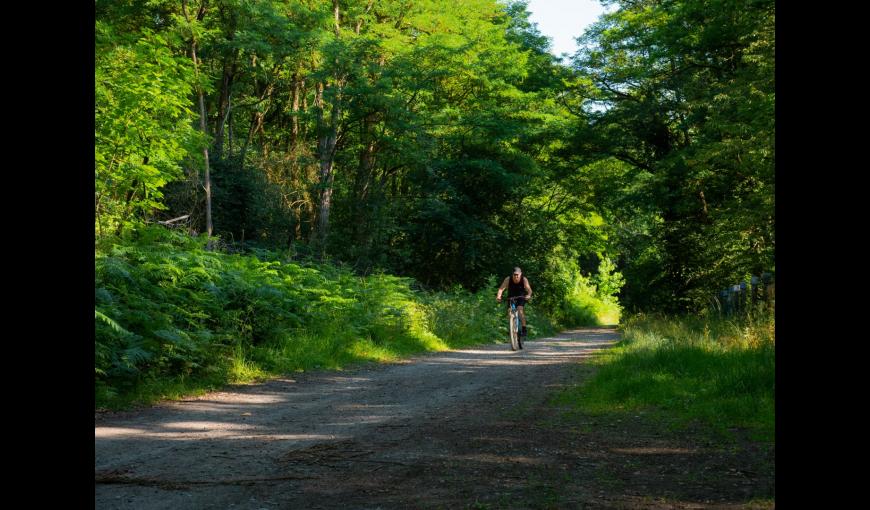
<point>189,312</point>
<point>108,320</point>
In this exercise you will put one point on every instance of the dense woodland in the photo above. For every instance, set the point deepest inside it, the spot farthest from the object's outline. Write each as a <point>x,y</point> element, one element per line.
<point>431,140</point>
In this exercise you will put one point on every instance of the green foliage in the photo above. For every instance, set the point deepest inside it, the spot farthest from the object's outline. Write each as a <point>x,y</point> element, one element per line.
<point>447,131</point>
<point>143,125</point>
<point>608,281</point>
<point>462,318</point>
<point>572,299</point>
<point>683,94</point>
<point>172,317</point>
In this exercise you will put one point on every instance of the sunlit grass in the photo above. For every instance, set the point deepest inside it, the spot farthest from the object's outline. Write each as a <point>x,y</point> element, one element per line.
<point>608,314</point>
<point>715,372</point>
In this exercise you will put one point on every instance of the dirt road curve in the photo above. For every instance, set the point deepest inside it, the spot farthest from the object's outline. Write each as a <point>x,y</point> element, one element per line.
<point>441,430</point>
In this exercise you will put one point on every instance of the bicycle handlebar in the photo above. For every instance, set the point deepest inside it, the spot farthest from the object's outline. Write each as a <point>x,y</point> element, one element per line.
<point>519,297</point>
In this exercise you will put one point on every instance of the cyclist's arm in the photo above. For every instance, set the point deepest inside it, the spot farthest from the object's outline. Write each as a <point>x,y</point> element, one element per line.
<point>501,289</point>
<point>528,288</point>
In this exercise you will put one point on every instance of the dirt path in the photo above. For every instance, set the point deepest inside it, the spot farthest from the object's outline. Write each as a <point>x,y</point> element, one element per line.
<point>459,429</point>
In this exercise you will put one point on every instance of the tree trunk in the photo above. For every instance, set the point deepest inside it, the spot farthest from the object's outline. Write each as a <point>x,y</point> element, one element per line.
<point>294,133</point>
<point>257,121</point>
<point>327,142</point>
<point>249,138</point>
<point>208,225</point>
<point>326,154</point>
<point>202,122</point>
<point>364,180</point>
<point>224,104</point>
<point>230,134</point>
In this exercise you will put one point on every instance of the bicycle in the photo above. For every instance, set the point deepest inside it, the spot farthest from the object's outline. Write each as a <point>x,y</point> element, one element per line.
<point>514,325</point>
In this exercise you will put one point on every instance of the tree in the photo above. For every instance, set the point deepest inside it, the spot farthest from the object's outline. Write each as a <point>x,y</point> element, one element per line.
<point>143,126</point>
<point>684,95</point>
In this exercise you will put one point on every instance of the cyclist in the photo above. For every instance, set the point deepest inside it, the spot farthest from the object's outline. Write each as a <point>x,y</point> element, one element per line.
<point>517,285</point>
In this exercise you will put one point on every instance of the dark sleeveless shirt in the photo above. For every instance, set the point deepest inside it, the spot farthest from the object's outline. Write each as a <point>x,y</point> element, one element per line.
<point>516,289</point>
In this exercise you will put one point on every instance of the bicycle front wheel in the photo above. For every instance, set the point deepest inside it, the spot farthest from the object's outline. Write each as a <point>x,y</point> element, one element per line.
<point>515,334</point>
<point>519,336</point>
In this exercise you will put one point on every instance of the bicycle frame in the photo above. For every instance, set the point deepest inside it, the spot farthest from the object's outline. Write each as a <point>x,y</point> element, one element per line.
<point>515,326</point>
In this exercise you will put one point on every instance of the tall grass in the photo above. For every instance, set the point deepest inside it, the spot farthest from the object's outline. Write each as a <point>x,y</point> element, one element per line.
<point>688,370</point>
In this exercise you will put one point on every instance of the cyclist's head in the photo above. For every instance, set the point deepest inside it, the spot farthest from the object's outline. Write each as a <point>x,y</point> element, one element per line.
<point>517,273</point>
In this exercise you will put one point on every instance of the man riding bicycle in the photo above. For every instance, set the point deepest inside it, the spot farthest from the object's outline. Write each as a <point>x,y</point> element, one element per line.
<point>517,285</point>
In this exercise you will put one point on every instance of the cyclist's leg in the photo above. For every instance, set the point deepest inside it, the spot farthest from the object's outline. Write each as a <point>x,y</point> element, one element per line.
<point>510,316</point>
<point>522,310</point>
